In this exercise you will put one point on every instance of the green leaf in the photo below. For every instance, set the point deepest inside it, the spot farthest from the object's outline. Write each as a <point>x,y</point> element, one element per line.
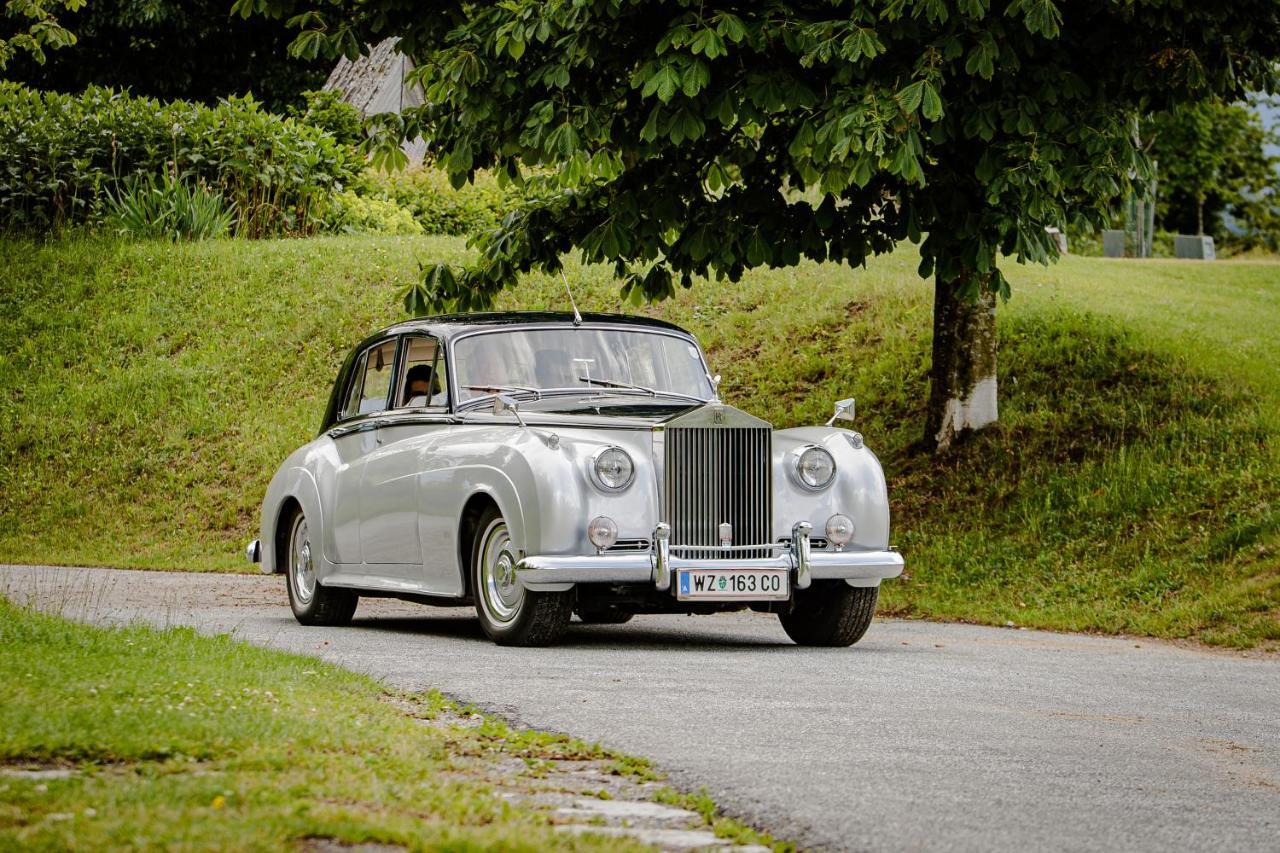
<point>695,77</point>
<point>932,104</point>
<point>664,82</point>
<point>650,130</point>
<point>731,27</point>
<point>909,98</point>
<point>757,249</point>
<point>708,43</point>
<point>307,45</point>
<point>1040,16</point>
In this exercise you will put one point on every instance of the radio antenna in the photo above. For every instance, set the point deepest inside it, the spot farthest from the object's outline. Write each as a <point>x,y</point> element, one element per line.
<point>577,318</point>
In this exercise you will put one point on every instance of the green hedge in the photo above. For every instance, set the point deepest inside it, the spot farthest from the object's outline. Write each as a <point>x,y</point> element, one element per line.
<point>440,209</point>
<point>348,213</point>
<point>61,155</point>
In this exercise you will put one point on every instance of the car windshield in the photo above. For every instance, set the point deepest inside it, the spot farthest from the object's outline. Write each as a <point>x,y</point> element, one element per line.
<point>613,361</point>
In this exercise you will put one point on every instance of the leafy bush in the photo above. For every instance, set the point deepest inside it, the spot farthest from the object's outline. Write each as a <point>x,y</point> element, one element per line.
<point>435,204</point>
<point>168,207</point>
<point>326,110</point>
<point>349,213</point>
<point>62,156</point>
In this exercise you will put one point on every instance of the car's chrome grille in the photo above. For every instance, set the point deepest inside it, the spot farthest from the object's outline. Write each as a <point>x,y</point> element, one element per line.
<point>715,475</point>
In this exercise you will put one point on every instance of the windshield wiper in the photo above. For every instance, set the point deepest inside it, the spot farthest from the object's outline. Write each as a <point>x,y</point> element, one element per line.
<point>504,389</point>
<point>495,390</point>
<point>611,383</point>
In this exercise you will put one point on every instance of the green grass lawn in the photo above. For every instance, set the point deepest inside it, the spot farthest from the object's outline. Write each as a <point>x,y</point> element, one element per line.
<point>172,740</point>
<point>1131,486</point>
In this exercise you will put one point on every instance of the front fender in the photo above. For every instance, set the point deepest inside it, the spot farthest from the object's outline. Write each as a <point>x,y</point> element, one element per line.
<point>859,490</point>
<point>541,481</point>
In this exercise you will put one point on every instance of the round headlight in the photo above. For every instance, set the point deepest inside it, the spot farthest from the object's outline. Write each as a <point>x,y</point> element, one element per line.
<point>815,467</point>
<point>614,468</point>
<point>839,530</point>
<point>602,531</point>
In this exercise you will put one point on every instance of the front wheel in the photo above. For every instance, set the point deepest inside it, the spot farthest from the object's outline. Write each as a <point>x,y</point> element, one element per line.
<point>510,614</point>
<point>312,603</point>
<point>830,613</point>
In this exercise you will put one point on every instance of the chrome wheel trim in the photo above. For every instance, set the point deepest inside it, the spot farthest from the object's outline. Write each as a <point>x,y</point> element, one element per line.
<point>302,571</point>
<point>501,595</point>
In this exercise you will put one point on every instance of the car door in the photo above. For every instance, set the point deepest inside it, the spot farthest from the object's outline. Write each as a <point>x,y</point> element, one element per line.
<point>405,447</point>
<point>355,437</point>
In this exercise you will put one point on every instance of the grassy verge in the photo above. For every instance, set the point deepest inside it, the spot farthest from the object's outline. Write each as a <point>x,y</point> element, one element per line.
<point>1131,486</point>
<point>168,739</point>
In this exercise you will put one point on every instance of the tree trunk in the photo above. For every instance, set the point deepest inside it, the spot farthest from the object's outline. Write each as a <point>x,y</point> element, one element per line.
<point>962,394</point>
<point>1199,217</point>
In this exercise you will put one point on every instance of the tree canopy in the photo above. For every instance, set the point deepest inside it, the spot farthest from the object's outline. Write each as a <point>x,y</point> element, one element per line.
<point>679,139</point>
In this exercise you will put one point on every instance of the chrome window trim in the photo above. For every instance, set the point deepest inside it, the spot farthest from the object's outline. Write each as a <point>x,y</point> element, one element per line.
<point>362,364</point>
<point>402,352</point>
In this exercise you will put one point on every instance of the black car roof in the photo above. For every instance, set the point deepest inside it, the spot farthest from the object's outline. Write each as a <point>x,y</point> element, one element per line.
<point>451,325</point>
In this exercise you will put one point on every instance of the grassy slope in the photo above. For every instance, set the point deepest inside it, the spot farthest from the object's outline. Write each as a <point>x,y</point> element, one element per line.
<point>179,741</point>
<point>1131,485</point>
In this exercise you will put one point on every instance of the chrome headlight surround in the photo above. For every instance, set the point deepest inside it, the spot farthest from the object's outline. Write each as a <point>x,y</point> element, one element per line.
<point>810,459</point>
<point>612,469</point>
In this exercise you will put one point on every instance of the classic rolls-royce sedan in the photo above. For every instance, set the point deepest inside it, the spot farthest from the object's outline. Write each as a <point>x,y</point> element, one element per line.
<point>542,465</point>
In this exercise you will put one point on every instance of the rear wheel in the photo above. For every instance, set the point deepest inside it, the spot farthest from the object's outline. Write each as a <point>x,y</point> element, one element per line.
<point>510,614</point>
<point>830,613</point>
<point>312,603</point>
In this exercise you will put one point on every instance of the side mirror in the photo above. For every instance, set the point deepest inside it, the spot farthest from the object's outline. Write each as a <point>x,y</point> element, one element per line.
<point>505,403</point>
<point>843,412</point>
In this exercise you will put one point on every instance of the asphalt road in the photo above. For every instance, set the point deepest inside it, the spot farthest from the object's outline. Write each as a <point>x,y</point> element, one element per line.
<point>921,737</point>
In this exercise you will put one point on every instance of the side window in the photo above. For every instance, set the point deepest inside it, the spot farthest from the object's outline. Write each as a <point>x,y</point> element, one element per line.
<point>422,380</point>
<point>372,381</point>
<point>351,405</point>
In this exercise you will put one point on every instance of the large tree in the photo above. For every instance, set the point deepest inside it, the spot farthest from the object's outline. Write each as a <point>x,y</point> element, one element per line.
<point>693,137</point>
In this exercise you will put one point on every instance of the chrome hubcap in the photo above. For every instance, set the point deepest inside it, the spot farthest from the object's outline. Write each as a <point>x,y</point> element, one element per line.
<point>500,592</point>
<point>302,573</point>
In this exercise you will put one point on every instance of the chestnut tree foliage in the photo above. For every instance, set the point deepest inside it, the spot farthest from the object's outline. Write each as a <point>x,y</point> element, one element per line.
<point>32,28</point>
<point>673,139</point>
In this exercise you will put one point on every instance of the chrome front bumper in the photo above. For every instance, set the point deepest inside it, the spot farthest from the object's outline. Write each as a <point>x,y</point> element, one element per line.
<point>656,566</point>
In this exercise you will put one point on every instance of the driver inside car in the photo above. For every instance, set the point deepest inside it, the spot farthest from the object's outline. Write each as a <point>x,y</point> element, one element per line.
<point>418,385</point>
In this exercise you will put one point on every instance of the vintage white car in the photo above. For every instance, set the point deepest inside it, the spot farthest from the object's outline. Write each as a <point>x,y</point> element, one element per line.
<point>538,465</point>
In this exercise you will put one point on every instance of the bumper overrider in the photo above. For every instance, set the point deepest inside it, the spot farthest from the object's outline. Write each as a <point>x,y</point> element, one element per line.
<point>662,560</point>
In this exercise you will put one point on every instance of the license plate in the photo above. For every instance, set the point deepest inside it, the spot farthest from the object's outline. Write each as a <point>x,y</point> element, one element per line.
<point>732,584</point>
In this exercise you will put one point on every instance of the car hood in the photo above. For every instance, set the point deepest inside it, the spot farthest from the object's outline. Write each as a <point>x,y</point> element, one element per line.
<point>612,414</point>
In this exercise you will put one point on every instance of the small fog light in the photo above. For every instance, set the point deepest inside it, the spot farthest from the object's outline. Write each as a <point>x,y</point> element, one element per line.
<point>602,531</point>
<point>839,530</point>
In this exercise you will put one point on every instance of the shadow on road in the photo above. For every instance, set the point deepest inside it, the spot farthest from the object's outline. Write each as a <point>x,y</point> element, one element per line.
<point>578,636</point>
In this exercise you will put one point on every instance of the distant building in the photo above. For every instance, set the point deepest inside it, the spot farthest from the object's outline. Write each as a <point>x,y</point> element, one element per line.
<point>375,84</point>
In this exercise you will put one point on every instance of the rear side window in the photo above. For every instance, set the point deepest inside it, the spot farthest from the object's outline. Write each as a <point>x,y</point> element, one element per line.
<point>422,378</point>
<point>371,380</point>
